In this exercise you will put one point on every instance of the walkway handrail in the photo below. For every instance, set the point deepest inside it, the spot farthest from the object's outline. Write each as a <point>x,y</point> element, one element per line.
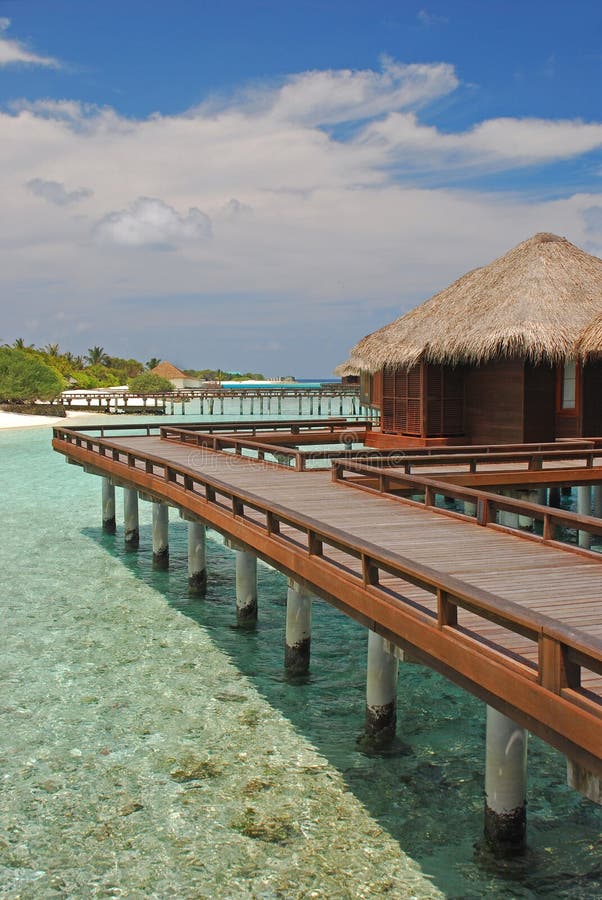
<point>563,651</point>
<point>199,437</point>
<point>487,504</point>
<point>533,458</point>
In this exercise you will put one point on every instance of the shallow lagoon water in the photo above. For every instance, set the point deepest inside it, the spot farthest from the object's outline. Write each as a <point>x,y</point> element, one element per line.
<point>151,749</point>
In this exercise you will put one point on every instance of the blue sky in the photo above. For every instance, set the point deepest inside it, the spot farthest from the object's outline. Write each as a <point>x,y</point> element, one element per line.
<point>256,185</point>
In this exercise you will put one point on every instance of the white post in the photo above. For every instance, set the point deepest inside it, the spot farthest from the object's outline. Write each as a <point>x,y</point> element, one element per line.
<point>597,504</point>
<point>529,497</point>
<point>584,508</point>
<point>505,785</point>
<point>381,689</point>
<point>197,565</point>
<point>587,783</point>
<point>160,535</point>
<point>246,587</point>
<point>108,506</point>
<point>298,628</point>
<point>130,517</point>
<point>509,519</point>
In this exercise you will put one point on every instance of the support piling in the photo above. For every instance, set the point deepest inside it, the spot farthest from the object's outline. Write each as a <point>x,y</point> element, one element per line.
<point>160,535</point>
<point>130,517</point>
<point>246,587</point>
<point>108,506</point>
<point>197,563</point>
<point>298,629</point>
<point>381,689</point>
<point>505,785</point>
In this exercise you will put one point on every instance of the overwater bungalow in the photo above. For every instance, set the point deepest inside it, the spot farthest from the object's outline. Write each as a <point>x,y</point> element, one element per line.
<point>348,373</point>
<point>509,353</point>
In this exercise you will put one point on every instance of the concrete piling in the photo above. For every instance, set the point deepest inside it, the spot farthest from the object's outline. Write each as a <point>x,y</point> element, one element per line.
<point>197,564</point>
<point>381,689</point>
<point>584,508</point>
<point>160,535</point>
<point>505,785</point>
<point>470,508</point>
<point>130,517</point>
<point>509,519</point>
<point>298,629</point>
<point>246,587</point>
<point>597,501</point>
<point>108,506</point>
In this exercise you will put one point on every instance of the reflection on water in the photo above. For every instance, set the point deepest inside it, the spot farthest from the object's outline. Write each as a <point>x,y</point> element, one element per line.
<point>151,749</point>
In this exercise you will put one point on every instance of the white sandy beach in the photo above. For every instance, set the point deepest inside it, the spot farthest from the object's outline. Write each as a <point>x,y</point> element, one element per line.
<point>17,420</point>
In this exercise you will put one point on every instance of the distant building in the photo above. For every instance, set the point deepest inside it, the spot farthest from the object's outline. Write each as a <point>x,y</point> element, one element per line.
<point>347,373</point>
<point>178,378</point>
<point>509,353</point>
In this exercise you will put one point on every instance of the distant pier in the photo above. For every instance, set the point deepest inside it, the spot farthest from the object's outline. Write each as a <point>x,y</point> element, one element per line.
<point>328,399</point>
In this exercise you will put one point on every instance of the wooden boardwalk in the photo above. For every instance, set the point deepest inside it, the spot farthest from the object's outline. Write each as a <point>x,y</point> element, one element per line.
<point>516,622</point>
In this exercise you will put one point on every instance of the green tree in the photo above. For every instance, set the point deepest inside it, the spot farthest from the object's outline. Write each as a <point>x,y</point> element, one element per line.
<point>152,362</point>
<point>147,383</point>
<point>23,377</point>
<point>96,356</point>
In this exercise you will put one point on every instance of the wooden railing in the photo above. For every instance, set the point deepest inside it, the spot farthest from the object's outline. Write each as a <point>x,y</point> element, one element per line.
<point>249,443</point>
<point>562,653</point>
<point>486,505</point>
<point>532,457</point>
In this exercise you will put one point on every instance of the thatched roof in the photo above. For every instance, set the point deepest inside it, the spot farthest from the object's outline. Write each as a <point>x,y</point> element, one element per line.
<point>533,303</point>
<point>589,344</point>
<point>166,370</point>
<point>345,369</point>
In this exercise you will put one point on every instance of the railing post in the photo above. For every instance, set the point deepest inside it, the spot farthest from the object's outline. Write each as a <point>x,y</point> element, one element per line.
<point>315,545</point>
<point>447,611</point>
<point>556,670</point>
<point>370,571</point>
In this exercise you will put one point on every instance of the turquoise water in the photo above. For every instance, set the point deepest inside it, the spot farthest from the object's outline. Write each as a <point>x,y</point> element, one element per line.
<point>151,749</point>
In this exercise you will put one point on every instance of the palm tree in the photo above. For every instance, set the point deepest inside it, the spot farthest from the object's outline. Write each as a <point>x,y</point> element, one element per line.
<point>52,350</point>
<point>96,356</point>
<point>152,362</point>
<point>19,344</point>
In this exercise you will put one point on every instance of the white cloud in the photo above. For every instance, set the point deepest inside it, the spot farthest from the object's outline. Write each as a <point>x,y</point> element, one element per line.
<point>313,228</point>
<point>496,143</point>
<point>57,193</point>
<point>592,216</point>
<point>15,52</point>
<point>151,223</point>
<point>331,97</point>
<point>429,19</point>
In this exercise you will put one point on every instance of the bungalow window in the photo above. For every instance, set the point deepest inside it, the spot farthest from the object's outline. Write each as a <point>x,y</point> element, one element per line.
<point>568,388</point>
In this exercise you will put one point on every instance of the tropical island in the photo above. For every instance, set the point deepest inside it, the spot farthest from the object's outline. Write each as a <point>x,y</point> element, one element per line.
<point>31,376</point>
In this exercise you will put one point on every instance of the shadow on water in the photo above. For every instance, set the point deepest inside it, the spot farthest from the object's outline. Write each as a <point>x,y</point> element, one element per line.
<point>429,795</point>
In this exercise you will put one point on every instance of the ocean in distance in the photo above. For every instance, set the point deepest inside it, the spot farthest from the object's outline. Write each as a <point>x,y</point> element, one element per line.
<point>151,750</point>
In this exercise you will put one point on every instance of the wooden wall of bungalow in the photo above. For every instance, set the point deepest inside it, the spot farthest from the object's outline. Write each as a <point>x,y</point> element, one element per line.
<point>504,401</point>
